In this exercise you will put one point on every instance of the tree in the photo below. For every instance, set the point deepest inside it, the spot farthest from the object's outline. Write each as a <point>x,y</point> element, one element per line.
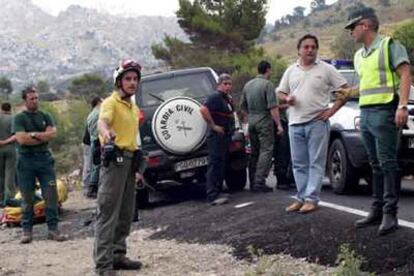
<point>344,46</point>
<point>318,5</point>
<point>299,12</point>
<point>221,35</point>
<point>88,85</point>
<point>216,28</point>
<point>405,34</point>
<point>43,87</point>
<point>5,86</point>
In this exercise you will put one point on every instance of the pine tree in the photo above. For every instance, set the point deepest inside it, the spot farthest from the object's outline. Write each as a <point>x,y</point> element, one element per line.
<point>216,29</point>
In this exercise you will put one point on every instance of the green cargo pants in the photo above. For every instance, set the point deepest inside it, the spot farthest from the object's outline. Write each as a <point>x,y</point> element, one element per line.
<point>116,204</point>
<point>40,166</point>
<point>262,141</point>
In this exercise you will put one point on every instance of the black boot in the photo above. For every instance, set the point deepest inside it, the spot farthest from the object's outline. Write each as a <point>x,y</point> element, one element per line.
<point>388,225</point>
<point>374,218</point>
<point>392,187</point>
<point>135,218</point>
<point>92,192</point>
<point>375,215</point>
<point>282,182</point>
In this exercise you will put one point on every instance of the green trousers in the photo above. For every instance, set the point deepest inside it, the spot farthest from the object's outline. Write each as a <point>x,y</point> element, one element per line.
<point>38,166</point>
<point>262,142</point>
<point>380,137</point>
<point>116,203</point>
<point>7,175</point>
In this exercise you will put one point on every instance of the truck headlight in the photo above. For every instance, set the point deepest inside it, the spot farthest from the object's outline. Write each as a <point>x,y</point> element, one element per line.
<point>357,123</point>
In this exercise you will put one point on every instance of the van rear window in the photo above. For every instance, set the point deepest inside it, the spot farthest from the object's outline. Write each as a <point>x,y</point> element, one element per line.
<point>197,86</point>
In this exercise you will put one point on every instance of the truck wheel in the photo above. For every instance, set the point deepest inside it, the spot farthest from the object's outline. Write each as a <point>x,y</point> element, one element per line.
<point>235,179</point>
<point>342,175</point>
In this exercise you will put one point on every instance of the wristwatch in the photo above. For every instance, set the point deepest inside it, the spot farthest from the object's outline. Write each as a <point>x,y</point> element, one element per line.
<point>402,106</point>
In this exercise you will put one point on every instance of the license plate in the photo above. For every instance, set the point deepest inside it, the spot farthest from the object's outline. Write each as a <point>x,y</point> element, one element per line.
<point>190,164</point>
<point>411,143</point>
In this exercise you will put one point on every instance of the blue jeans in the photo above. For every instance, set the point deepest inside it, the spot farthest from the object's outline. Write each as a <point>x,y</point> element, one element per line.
<point>309,146</point>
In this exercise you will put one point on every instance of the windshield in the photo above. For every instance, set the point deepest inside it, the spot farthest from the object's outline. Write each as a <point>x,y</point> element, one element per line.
<point>351,77</point>
<point>196,86</point>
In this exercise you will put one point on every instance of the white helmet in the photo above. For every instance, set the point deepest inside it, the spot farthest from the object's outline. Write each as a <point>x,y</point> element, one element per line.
<point>125,66</point>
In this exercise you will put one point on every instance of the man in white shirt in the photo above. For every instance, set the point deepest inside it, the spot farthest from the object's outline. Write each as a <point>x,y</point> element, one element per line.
<point>306,87</point>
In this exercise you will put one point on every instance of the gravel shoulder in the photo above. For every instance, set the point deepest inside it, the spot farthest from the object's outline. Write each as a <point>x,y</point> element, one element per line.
<point>190,237</point>
<point>161,256</point>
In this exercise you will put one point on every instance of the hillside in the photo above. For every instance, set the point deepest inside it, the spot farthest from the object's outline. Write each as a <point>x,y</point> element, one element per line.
<point>329,23</point>
<point>35,45</point>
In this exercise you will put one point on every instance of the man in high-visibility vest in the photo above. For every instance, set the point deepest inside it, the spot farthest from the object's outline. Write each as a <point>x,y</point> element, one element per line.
<point>384,70</point>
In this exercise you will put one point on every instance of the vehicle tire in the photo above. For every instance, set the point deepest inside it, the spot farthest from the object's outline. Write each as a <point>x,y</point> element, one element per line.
<point>142,198</point>
<point>343,177</point>
<point>236,179</point>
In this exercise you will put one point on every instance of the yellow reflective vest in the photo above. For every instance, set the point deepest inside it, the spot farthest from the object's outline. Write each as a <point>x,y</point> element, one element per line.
<point>378,82</point>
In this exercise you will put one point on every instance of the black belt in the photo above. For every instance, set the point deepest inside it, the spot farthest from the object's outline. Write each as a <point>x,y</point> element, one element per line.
<point>35,153</point>
<point>127,154</point>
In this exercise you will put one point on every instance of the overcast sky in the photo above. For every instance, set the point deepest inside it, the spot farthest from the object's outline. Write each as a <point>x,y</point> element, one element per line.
<point>277,8</point>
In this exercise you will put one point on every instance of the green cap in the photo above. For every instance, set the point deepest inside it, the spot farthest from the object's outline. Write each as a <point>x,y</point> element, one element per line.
<point>357,14</point>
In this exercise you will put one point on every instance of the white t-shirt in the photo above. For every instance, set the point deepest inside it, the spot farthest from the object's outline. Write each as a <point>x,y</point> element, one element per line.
<point>311,88</point>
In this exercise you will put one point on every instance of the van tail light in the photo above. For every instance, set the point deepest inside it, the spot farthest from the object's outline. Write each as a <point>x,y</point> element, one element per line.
<point>154,161</point>
<point>141,117</point>
<point>235,146</point>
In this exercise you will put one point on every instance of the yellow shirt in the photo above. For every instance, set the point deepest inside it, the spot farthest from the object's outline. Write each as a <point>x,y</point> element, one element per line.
<point>122,117</point>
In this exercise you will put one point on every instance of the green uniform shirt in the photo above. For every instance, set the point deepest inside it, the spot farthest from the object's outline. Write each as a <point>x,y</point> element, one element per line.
<point>6,131</point>
<point>27,121</point>
<point>258,98</point>
<point>398,52</point>
<point>92,123</point>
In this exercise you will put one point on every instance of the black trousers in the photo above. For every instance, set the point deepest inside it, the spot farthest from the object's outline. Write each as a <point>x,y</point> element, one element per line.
<point>218,151</point>
<point>282,161</point>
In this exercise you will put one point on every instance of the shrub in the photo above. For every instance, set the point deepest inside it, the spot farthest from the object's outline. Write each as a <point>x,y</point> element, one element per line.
<point>349,264</point>
<point>70,117</point>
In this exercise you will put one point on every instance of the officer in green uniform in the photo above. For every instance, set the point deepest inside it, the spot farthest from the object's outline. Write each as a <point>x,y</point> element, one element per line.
<point>7,155</point>
<point>34,129</point>
<point>92,125</point>
<point>259,102</point>
<point>384,70</point>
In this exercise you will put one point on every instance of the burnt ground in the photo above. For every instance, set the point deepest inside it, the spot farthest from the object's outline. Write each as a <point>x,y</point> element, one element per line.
<point>264,225</point>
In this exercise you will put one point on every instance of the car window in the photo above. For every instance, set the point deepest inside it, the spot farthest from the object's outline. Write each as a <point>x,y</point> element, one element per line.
<point>196,86</point>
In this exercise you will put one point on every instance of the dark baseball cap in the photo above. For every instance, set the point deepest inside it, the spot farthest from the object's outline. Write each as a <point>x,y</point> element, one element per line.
<point>357,14</point>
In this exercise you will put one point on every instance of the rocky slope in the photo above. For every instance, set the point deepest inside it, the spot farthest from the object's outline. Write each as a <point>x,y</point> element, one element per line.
<point>35,45</point>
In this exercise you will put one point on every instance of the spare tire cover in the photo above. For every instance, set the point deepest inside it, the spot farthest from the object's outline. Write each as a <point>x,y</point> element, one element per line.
<point>178,126</point>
